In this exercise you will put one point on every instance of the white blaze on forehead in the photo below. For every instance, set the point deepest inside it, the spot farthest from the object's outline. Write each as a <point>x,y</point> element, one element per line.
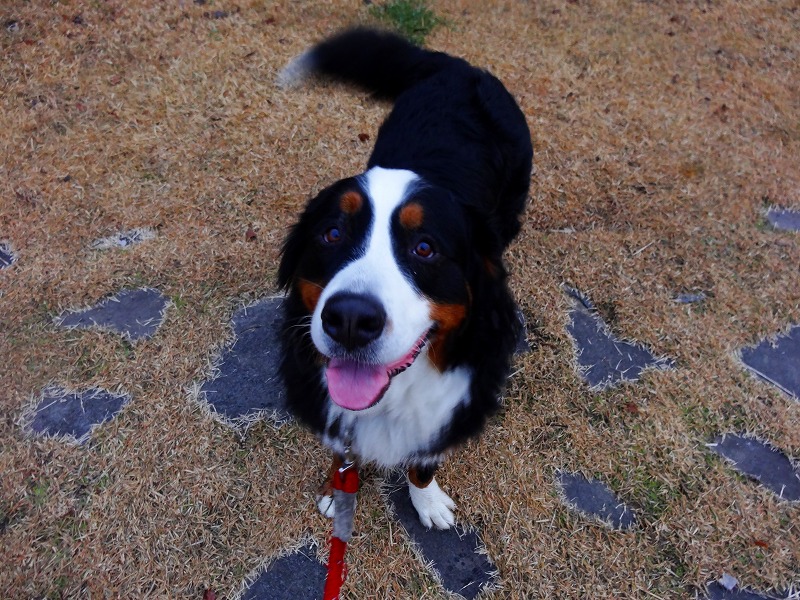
<point>377,273</point>
<point>387,188</point>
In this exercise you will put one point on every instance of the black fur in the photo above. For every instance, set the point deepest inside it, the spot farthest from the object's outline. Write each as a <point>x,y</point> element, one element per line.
<point>458,128</point>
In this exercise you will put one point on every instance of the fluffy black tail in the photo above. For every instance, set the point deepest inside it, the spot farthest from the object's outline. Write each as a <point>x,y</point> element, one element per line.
<point>462,131</point>
<point>379,61</point>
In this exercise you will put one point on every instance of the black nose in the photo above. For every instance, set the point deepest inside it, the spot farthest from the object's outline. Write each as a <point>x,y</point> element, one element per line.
<point>353,320</point>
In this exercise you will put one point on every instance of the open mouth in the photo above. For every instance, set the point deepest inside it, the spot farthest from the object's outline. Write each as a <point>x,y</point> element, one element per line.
<point>358,386</point>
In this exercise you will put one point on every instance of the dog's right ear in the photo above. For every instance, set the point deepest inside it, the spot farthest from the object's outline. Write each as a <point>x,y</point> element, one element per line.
<point>291,253</point>
<point>297,241</point>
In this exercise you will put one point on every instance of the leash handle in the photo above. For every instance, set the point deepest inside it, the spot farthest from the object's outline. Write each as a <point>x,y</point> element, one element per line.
<point>345,486</point>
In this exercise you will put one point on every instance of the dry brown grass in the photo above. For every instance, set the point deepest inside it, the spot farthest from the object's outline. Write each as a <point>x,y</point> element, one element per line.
<point>661,130</point>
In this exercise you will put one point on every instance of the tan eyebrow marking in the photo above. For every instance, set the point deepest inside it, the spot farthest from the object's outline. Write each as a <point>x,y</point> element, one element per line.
<point>351,202</point>
<point>412,215</point>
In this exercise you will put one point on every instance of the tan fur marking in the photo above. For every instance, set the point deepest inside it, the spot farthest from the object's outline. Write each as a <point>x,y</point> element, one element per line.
<point>351,202</point>
<point>310,293</point>
<point>413,477</point>
<point>448,317</point>
<point>412,215</point>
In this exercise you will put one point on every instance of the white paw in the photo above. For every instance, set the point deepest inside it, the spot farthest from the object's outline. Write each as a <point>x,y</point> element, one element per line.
<point>435,508</point>
<point>326,506</point>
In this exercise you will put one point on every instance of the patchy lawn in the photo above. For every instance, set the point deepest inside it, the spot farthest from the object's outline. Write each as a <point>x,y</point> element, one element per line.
<point>663,134</point>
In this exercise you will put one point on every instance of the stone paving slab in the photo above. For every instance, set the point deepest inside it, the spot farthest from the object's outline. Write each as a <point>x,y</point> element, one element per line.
<point>7,255</point>
<point>777,361</point>
<point>455,554</point>
<point>135,314</point>
<point>690,297</point>
<point>603,359</point>
<point>73,415</point>
<point>247,384</point>
<point>296,576</point>
<point>595,500</point>
<point>783,218</point>
<point>124,239</point>
<point>523,346</point>
<point>761,462</point>
<point>717,591</point>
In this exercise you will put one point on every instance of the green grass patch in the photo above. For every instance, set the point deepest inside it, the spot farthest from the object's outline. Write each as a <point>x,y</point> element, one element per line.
<point>411,18</point>
<point>39,492</point>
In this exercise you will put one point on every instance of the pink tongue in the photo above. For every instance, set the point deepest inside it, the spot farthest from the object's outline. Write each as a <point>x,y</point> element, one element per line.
<point>355,386</point>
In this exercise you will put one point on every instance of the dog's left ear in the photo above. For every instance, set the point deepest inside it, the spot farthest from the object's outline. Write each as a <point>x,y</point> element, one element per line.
<point>487,244</point>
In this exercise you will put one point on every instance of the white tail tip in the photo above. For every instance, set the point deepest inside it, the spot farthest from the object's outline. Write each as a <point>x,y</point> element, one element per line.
<point>298,69</point>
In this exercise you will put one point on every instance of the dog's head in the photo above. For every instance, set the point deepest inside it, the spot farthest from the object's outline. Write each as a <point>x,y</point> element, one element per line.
<point>386,266</point>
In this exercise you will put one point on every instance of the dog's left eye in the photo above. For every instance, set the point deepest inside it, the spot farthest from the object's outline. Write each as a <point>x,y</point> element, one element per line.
<point>424,249</point>
<point>332,235</point>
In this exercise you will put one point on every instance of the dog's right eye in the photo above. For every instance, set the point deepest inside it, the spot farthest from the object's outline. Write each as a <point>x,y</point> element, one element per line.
<point>332,235</point>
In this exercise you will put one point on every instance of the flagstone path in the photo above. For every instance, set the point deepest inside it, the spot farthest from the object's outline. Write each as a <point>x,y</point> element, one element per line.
<point>7,256</point>
<point>605,360</point>
<point>73,415</point>
<point>135,314</point>
<point>246,387</point>
<point>296,576</point>
<point>595,500</point>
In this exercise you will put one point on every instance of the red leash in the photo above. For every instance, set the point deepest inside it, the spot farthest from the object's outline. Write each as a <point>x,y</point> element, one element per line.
<point>345,486</point>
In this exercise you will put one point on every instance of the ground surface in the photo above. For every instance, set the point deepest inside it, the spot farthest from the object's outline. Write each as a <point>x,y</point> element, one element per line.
<point>144,146</point>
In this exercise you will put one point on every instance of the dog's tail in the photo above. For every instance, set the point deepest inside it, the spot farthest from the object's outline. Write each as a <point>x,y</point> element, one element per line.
<point>379,61</point>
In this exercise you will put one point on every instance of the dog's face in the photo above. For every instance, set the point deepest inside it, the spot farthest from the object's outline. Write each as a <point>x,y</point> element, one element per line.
<point>382,265</point>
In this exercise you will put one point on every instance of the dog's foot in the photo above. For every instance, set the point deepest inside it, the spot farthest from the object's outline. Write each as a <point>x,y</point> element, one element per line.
<point>434,507</point>
<point>326,505</point>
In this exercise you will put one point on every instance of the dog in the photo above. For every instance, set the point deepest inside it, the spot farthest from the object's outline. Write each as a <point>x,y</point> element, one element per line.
<point>399,325</point>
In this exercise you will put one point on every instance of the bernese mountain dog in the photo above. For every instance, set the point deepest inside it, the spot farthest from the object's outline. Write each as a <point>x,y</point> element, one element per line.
<point>399,324</point>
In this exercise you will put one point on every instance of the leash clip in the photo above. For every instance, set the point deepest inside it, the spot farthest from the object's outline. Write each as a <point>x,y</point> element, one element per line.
<point>349,455</point>
<point>346,477</point>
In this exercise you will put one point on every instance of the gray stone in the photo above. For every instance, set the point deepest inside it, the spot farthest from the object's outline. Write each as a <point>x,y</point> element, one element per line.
<point>454,554</point>
<point>777,361</point>
<point>718,592</point>
<point>689,297</point>
<point>603,359</point>
<point>135,314</point>
<point>297,576</point>
<point>73,415</point>
<point>7,255</point>
<point>761,462</point>
<point>782,218</point>
<point>594,499</point>
<point>124,239</point>
<point>247,384</point>
<point>523,346</point>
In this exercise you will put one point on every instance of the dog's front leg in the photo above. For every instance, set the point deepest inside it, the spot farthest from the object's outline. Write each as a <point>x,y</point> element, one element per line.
<point>325,502</point>
<point>434,507</point>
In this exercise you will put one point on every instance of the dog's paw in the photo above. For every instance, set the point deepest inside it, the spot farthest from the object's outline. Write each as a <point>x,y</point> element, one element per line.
<point>326,505</point>
<point>434,507</point>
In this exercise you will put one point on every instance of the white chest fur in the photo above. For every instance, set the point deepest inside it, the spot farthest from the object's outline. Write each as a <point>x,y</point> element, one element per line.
<point>418,405</point>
